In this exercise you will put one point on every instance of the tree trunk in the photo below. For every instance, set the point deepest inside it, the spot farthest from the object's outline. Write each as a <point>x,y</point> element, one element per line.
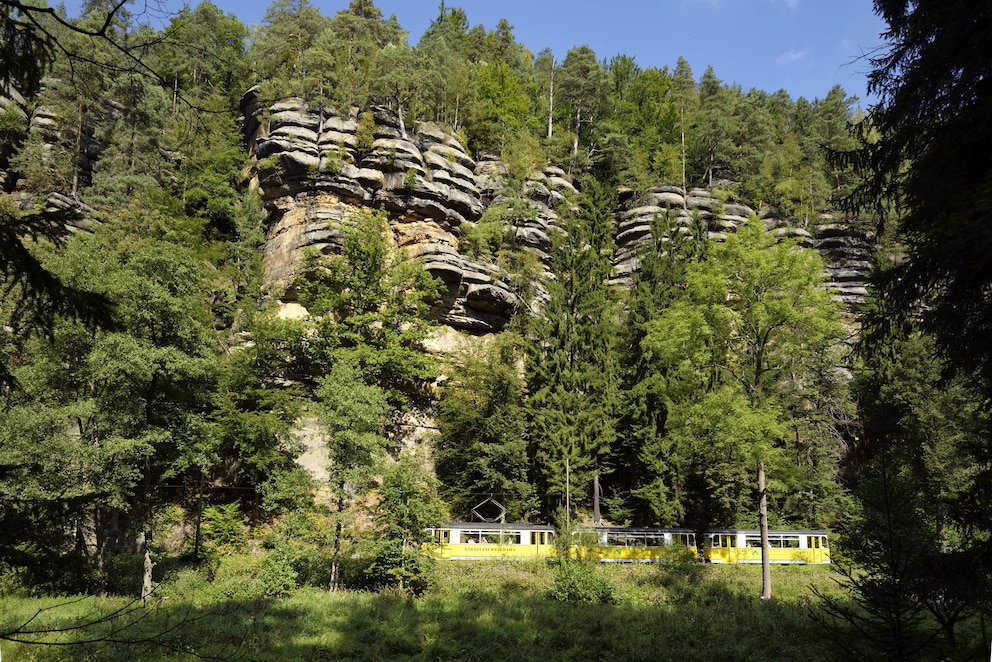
<point>578,123</point>
<point>595,500</point>
<point>146,536</point>
<point>336,557</point>
<point>146,569</point>
<point>766,571</point>
<point>685,202</point>
<point>197,537</point>
<point>551,97</point>
<point>101,548</point>
<point>336,554</point>
<point>399,113</point>
<point>78,155</point>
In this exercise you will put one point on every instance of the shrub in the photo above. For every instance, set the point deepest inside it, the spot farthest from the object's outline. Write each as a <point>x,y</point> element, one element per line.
<point>410,178</point>
<point>680,569</point>
<point>365,134</point>
<point>276,578</point>
<point>224,528</point>
<point>577,581</point>
<point>388,565</point>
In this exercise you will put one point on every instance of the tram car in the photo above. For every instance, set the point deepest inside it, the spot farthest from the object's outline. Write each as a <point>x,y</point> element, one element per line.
<point>467,541</point>
<point>631,545</point>
<point>744,546</point>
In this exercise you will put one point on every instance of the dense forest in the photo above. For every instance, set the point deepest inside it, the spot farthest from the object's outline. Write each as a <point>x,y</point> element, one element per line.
<point>157,398</point>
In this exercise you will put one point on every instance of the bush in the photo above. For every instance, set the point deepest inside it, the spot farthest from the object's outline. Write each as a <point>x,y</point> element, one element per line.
<point>410,178</point>
<point>388,565</point>
<point>679,569</point>
<point>223,528</point>
<point>276,578</point>
<point>576,581</point>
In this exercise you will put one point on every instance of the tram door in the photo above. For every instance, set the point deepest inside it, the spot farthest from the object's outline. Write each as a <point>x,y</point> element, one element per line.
<point>723,548</point>
<point>538,539</point>
<point>819,548</point>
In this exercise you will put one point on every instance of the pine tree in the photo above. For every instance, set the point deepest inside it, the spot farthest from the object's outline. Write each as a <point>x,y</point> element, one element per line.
<point>573,374</point>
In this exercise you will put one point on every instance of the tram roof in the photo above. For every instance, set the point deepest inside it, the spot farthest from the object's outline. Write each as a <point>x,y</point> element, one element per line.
<point>497,526</point>
<point>771,532</point>
<point>641,529</point>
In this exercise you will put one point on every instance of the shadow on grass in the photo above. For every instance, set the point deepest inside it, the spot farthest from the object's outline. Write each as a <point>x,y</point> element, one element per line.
<point>501,613</point>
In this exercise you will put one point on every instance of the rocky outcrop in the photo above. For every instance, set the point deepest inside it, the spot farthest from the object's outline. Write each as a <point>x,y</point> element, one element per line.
<point>671,210</point>
<point>845,249</point>
<point>847,252</point>
<point>314,169</point>
<point>13,105</point>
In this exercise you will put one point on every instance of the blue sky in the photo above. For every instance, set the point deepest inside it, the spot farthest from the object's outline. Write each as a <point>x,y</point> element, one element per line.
<point>802,46</point>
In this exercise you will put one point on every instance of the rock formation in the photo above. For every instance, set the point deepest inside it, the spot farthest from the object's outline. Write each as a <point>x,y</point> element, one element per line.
<point>315,169</point>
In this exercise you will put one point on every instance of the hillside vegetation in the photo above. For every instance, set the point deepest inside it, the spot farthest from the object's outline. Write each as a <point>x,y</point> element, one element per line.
<point>652,340</point>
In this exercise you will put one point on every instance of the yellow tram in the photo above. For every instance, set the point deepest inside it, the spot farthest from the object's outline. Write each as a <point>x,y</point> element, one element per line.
<point>632,545</point>
<point>744,546</point>
<point>465,541</point>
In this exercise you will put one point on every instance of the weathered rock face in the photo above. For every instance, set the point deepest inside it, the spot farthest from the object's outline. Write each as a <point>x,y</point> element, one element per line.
<point>314,170</point>
<point>845,249</point>
<point>10,102</point>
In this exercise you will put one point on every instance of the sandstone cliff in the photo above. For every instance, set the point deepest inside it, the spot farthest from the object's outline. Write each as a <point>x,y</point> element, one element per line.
<point>313,170</point>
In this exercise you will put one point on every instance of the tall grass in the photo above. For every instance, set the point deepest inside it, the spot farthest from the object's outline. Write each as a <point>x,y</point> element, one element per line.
<point>476,611</point>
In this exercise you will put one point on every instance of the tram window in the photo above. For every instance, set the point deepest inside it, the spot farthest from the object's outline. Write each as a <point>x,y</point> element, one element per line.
<point>791,542</point>
<point>823,542</point>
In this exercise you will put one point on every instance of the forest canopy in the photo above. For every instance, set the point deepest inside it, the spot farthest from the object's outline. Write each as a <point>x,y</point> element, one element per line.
<point>163,401</point>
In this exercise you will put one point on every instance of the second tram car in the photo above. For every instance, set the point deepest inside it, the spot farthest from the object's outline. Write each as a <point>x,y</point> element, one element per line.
<point>632,545</point>
<point>464,541</point>
<point>744,546</point>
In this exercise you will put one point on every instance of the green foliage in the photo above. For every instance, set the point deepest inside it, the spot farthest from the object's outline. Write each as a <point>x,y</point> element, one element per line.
<point>573,376</point>
<point>224,528</point>
<point>482,445</point>
<point>738,352</point>
<point>902,606</point>
<point>303,539</point>
<point>365,134</point>
<point>933,113</point>
<point>370,305</point>
<point>576,581</point>
<point>484,239</point>
<point>276,578</point>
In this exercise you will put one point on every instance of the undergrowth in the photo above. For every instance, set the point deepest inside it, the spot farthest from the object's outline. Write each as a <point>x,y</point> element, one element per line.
<point>475,611</point>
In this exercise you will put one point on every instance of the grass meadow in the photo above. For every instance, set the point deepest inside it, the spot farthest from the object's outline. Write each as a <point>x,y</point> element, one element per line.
<point>473,611</point>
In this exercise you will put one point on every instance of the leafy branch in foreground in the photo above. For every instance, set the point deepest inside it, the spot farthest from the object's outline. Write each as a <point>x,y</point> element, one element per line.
<point>135,625</point>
